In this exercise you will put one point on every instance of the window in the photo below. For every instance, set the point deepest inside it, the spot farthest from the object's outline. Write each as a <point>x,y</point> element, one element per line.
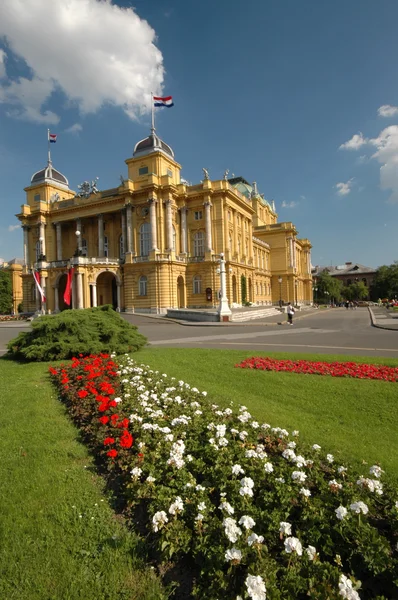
<point>36,197</point>
<point>121,246</point>
<point>230,243</point>
<point>143,171</point>
<point>198,215</point>
<point>84,247</point>
<point>169,172</point>
<point>197,284</point>
<point>106,246</point>
<point>364,281</point>
<point>145,239</point>
<point>238,246</point>
<point>199,244</point>
<point>143,286</point>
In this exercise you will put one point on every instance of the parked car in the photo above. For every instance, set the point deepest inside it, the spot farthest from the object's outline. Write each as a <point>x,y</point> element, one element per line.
<point>362,303</point>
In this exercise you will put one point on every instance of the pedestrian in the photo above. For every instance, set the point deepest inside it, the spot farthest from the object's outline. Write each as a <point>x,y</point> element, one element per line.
<point>290,313</point>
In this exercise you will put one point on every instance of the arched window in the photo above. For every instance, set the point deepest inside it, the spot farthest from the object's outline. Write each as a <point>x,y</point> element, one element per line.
<point>145,239</point>
<point>121,247</point>
<point>197,284</point>
<point>199,244</point>
<point>84,247</point>
<point>106,246</point>
<point>143,286</point>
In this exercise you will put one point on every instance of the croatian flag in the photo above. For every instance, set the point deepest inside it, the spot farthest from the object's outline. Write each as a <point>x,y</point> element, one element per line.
<point>167,101</point>
<point>36,276</point>
<point>52,137</point>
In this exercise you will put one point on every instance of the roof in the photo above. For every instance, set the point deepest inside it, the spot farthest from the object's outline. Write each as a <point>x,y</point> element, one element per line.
<point>347,269</point>
<point>248,190</point>
<point>150,144</point>
<point>49,175</point>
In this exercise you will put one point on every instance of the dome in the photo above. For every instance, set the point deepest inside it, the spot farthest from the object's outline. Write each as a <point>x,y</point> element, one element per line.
<point>152,143</point>
<point>49,175</point>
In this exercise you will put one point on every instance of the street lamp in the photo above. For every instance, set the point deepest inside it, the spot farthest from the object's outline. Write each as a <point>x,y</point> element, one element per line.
<point>78,251</point>
<point>223,309</point>
<point>327,294</point>
<point>315,289</point>
<point>41,257</point>
<point>280,291</point>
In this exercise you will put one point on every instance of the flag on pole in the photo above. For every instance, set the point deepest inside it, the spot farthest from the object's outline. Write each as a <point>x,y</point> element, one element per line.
<point>166,101</point>
<point>36,276</point>
<point>52,137</point>
<point>68,287</point>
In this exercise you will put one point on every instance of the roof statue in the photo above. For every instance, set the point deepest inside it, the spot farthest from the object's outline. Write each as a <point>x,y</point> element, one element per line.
<point>87,188</point>
<point>226,175</point>
<point>205,173</point>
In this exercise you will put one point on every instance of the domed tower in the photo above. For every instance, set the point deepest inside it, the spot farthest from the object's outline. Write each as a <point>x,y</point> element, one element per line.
<point>48,186</point>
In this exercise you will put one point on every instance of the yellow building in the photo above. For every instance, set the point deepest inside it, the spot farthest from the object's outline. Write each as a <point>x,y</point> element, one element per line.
<point>154,242</point>
<point>14,267</point>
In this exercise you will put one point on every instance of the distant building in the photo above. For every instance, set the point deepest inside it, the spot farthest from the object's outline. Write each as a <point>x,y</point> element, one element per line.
<point>154,241</point>
<point>348,273</point>
<point>14,267</point>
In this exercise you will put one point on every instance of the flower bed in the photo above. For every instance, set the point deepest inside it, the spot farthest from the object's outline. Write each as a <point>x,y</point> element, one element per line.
<point>243,508</point>
<point>334,369</point>
<point>12,318</point>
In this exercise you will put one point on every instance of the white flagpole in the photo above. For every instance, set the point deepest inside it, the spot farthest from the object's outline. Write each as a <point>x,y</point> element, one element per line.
<point>48,145</point>
<point>153,115</point>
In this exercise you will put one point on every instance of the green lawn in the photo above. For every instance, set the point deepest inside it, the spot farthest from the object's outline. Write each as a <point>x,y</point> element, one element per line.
<point>59,538</point>
<point>356,420</point>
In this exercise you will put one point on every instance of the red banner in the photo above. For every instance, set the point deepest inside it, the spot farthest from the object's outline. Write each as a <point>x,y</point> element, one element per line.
<point>68,288</point>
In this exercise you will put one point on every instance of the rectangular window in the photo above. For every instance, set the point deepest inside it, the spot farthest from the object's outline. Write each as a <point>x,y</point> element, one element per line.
<point>36,197</point>
<point>143,171</point>
<point>169,172</point>
<point>198,215</point>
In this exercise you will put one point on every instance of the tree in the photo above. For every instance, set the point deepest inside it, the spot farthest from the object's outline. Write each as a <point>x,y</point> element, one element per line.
<point>5,292</point>
<point>329,288</point>
<point>356,291</point>
<point>385,282</point>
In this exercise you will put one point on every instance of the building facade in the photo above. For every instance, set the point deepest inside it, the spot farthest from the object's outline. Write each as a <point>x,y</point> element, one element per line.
<point>15,267</point>
<point>348,273</point>
<point>154,242</point>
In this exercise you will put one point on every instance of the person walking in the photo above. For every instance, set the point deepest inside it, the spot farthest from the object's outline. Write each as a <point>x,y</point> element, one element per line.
<point>290,313</point>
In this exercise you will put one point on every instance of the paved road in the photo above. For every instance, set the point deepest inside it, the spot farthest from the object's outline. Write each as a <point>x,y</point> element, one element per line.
<point>335,331</point>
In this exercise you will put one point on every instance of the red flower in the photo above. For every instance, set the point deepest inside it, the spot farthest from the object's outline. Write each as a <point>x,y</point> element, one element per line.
<point>109,440</point>
<point>103,420</point>
<point>82,393</point>
<point>114,418</point>
<point>126,439</point>
<point>112,453</point>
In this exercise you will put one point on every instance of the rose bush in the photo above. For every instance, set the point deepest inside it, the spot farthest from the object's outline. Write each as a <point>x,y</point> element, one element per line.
<point>245,509</point>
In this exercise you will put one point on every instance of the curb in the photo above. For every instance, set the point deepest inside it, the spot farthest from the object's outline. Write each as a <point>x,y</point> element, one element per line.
<point>377,325</point>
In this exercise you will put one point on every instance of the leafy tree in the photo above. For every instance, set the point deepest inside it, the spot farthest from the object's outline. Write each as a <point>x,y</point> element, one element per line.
<point>329,288</point>
<point>356,291</point>
<point>5,293</point>
<point>385,282</point>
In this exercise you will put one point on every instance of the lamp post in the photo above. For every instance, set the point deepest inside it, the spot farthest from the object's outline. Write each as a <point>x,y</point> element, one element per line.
<point>223,309</point>
<point>315,289</point>
<point>327,296</point>
<point>280,291</point>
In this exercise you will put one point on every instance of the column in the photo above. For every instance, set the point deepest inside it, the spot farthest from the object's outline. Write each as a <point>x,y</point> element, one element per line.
<point>56,299</point>
<point>25,244</point>
<point>235,245</point>
<point>208,226</point>
<point>79,290</point>
<point>290,240</point>
<point>169,225</point>
<point>79,237</point>
<point>123,224</point>
<point>184,231</point>
<point>129,233</point>
<point>118,296</point>
<point>100,235</point>
<point>43,238</point>
<point>152,216</point>
<point>59,240</point>
<point>43,287</point>
<point>94,291</point>
<point>223,308</point>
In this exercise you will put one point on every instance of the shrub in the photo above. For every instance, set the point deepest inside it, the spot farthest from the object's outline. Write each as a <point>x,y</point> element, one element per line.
<point>88,331</point>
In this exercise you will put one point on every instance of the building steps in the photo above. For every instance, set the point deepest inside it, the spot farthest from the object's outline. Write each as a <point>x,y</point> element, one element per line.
<point>257,313</point>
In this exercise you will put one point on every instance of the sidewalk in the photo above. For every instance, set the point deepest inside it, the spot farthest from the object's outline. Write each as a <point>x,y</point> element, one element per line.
<point>384,318</point>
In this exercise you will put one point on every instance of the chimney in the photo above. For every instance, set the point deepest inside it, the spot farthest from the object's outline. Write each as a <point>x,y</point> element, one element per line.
<point>348,263</point>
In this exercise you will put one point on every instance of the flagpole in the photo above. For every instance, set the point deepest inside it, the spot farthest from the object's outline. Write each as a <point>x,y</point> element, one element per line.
<point>48,146</point>
<point>153,115</point>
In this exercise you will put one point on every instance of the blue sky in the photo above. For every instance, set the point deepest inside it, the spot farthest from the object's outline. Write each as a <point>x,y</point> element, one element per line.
<point>298,95</point>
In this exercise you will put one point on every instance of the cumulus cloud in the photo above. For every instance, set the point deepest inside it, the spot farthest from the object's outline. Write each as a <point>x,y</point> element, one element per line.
<point>3,57</point>
<point>98,53</point>
<point>343,189</point>
<point>387,111</point>
<point>386,153</point>
<point>291,204</point>
<point>14,227</point>
<point>74,129</point>
<point>357,141</point>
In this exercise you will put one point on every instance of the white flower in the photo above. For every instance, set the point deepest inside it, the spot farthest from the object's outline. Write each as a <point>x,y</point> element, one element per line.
<point>200,517</point>
<point>158,520</point>
<point>176,506</point>
<point>334,484</point>
<point>247,486</point>
<point>237,470</point>
<point>280,479</point>
<point>341,470</point>
<point>255,425</point>
<point>305,492</point>
<point>244,417</point>
<point>316,447</point>
<point>295,433</point>
<point>268,468</point>
<point>341,512</point>
<point>346,590</point>
<point>136,472</point>
<point>251,454</point>
<point>373,485</point>
<point>330,458</point>
<point>293,544</point>
<point>300,461</point>
<point>256,587</point>
<point>247,522</point>
<point>232,531</point>
<point>255,539</point>
<point>227,507</point>
<point>201,506</point>
<point>233,554</point>
<point>150,479</point>
<point>299,476</point>
<point>289,454</point>
<point>223,442</point>
<point>359,507</point>
<point>376,471</point>
<point>285,528</point>
<point>311,552</point>
<point>243,435</point>
<point>396,504</point>
<point>291,445</point>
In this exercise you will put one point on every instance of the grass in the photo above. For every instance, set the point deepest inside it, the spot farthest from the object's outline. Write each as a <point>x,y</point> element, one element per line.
<point>356,420</point>
<point>60,539</point>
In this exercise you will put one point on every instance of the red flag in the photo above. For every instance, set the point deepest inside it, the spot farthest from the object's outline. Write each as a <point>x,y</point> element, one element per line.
<point>68,288</point>
<point>36,276</point>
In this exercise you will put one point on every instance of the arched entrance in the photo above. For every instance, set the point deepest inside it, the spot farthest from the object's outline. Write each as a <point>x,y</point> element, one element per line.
<point>181,292</point>
<point>107,289</point>
<point>234,290</point>
<point>60,290</point>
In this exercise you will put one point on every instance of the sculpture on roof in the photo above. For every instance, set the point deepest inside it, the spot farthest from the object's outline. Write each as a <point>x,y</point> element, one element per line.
<point>55,197</point>
<point>205,173</point>
<point>226,174</point>
<point>86,188</point>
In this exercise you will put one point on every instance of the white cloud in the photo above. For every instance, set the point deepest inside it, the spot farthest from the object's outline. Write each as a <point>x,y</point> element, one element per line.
<point>3,57</point>
<point>343,189</point>
<point>74,129</point>
<point>357,141</point>
<point>387,154</point>
<point>14,227</point>
<point>387,111</point>
<point>291,204</point>
<point>96,52</point>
